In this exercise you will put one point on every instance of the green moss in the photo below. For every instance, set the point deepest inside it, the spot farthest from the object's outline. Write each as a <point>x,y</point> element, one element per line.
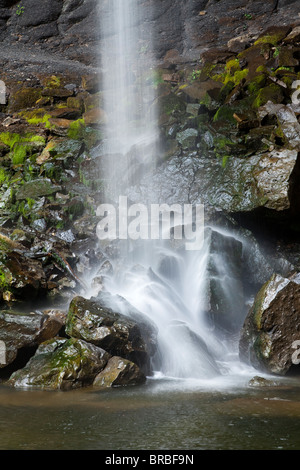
<point>52,171</point>
<point>20,145</point>
<point>222,142</point>
<point>232,65</point>
<point>77,129</point>
<point>36,116</point>
<point>4,176</point>
<point>208,71</point>
<point>171,103</point>
<point>75,103</point>
<point>24,99</point>
<point>11,139</point>
<point>19,154</point>
<point>53,82</point>
<point>262,69</point>
<point>4,280</point>
<point>270,93</point>
<point>224,113</point>
<point>237,77</point>
<point>225,160</point>
<point>256,84</point>
<point>272,39</point>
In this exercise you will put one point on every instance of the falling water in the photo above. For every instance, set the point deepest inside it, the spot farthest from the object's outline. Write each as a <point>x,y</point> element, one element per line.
<point>168,285</point>
<point>131,133</point>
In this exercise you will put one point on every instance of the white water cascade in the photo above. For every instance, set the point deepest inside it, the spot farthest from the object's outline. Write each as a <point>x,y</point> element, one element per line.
<point>167,285</point>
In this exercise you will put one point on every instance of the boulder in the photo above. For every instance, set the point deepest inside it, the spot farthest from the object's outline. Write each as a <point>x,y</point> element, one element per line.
<point>93,321</point>
<point>25,330</point>
<point>61,364</point>
<point>119,372</point>
<point>272,326</point>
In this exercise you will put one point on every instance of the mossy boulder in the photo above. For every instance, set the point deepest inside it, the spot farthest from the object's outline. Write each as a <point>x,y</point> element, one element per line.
<point>272,93</point>
<point>23,99</point>
<point>171,103</point>
<point>37,188</point>
<point>61,149</point>
<point>93,321</point>
<point>273,35</point>
<point>61,364</point>
<point>272,326</point>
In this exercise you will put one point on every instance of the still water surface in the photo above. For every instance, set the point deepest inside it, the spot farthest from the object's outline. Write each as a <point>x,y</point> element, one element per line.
<point>160,415</point>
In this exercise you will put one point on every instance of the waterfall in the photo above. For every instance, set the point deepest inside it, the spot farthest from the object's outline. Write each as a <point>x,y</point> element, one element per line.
<point>128,97</point>
<point>159,277</point>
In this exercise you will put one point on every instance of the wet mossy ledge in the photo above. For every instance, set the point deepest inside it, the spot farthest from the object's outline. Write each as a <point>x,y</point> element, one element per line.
<point>229,130</point>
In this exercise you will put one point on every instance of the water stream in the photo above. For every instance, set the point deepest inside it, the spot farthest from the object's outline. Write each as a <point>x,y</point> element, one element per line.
<point>167,284</point>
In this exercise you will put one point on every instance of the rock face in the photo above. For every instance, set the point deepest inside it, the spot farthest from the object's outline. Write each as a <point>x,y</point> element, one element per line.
<point>66,27</point>
<point>272,326</point>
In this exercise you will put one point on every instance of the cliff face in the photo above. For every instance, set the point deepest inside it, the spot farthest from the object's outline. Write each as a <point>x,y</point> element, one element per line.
<point>181,30</point>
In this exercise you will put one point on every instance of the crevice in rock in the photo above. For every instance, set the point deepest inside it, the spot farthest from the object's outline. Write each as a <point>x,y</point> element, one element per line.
<point>23,356</point>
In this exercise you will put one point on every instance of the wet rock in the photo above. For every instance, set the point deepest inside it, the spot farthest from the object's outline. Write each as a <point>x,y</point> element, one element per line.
<point>95,116</point>
<point>239,43</point>
<point>293,36</point>
<point>36,188</point>
<point>238,185</point>
<point>119,372</point>
<point>22,276</point>
<point>187,138</point>
<point>225,290</point>
<point>272,174</point>
<point>272,326</point>
<point>120,335</point>
<point>261,382</point>
<point>25,330</point>
<point>61,364</point>
<point>288,122</point>
<point>192,358</point>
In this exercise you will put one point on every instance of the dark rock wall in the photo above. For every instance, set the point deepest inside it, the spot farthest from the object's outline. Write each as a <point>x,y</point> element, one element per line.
<point>181,29</point>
